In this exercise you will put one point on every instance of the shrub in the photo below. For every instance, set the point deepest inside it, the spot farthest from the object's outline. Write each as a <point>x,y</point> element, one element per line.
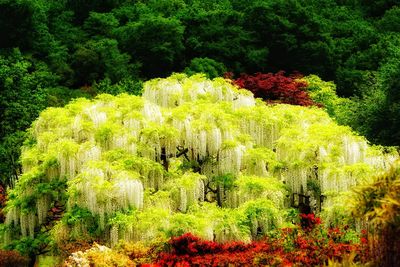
<point>208,66</point>
<point>98,256</point>
<point>379,204</point>
<point>3,197</point>
<point>12,259</point>
<point>276,88</point>
<point>309,221</point>
<point>307,244</point>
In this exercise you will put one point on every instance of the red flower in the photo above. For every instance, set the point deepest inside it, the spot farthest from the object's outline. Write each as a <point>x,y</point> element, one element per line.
<point>304,248</point>
<point>276,88</point>
<point>364,232</point>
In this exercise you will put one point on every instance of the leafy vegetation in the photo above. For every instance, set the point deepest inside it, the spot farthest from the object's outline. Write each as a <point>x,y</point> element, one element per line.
<point>378,202</point>
<point>106,169</point>
<point>276,88</point>
<point>311,245</point>
<point>243,162</point>
<point>66,49</point>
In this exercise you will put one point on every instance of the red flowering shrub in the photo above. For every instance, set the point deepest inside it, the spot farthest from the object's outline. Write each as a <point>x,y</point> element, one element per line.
<point>189,244</point>
<point>276,88</point>
<point>307,245</point>
<point>310,245</point>
<point>3,198</point>
<point>189,250</point>
<point>309,221</point>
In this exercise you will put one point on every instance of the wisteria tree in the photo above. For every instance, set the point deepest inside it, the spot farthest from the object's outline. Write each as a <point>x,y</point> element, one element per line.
<point>190,155</point>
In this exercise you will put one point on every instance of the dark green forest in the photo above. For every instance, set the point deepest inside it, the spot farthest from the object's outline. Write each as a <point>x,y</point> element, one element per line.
<point>52,51</point>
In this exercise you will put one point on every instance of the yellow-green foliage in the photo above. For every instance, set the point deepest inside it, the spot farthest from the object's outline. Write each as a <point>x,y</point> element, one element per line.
<point>138,168</point>
<point>349,261</point>
<point>324,93</point>
<point>379,201</point>
<point>255,187</point>
<point>140,253</point>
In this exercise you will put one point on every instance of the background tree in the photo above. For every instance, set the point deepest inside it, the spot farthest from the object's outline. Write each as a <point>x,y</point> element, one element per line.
<point>23,96</point>
<point>208,66</point>
<point>99,59</point>
<point>156,42</point>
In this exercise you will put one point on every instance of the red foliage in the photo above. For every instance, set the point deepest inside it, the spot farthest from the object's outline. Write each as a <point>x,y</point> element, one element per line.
<point>189,250</point>
<point>309,245</point>
<point>3,198</point>
<point>55,213</point>
<point>276,88</point>
<point>309,221</point>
